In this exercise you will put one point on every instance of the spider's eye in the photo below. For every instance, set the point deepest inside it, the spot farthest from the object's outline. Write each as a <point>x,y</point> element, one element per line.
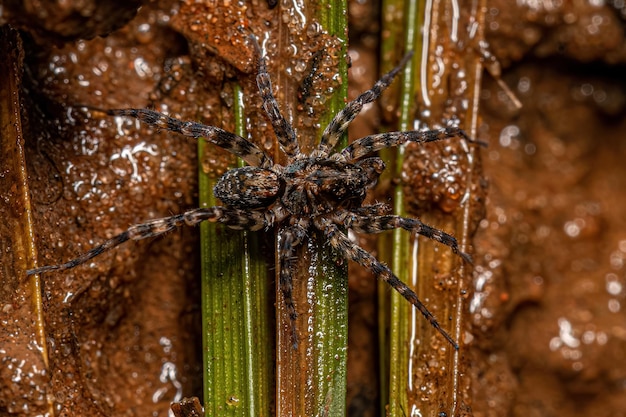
<point>248,187</point>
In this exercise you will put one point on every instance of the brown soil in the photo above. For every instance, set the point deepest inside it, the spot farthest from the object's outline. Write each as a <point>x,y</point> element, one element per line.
<point>548,330</point>
<point>549,279</point>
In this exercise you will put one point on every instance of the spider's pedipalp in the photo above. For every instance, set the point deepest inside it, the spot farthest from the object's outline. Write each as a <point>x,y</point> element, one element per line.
<point>231,142</point>
<point>373,167</point>
<point>289,239</point>
<point>233,218</point>
<point>282,128</point>
<point>365,146</point>
<point>377,224</point>
<point>342,120</point>
<point>341,243</point>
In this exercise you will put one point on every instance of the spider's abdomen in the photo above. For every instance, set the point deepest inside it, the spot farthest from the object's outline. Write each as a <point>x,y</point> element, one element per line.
<point>248,187</point>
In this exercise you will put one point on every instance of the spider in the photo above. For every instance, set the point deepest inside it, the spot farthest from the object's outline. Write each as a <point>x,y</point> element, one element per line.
<point>324,190</point>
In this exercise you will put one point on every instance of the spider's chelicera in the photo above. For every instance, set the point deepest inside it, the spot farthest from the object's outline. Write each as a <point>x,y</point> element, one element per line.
<point>324,190</point>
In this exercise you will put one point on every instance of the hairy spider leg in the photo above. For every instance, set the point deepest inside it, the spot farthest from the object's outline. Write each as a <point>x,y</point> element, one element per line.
<point>285,134</point>
<point>377,209</point>
<point>231,142</point>
<point>340,242</point>
<point>340,122</point>
<point>369,144</point>
<point>377,224</point>
<point>290,238</point>
<point>233,218</point>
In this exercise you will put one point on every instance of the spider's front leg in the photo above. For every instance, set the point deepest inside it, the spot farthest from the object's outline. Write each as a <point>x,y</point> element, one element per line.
<point>233,218</point>
<point>340,242</point>
<point>289,239</point>
<point>370,144</point>
<point>284,131</point>
<point>342,120</point>
<point>231,142</point>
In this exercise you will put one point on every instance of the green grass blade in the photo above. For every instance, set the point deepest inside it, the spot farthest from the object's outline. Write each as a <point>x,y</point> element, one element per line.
<point>395,311</point>
<point>235,312</point>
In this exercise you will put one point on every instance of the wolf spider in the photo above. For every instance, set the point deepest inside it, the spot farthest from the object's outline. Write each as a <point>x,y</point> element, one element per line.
<point>324,190</point>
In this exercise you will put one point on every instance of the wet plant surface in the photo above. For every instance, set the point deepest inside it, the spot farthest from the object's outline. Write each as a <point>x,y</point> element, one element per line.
<point>548,332</point>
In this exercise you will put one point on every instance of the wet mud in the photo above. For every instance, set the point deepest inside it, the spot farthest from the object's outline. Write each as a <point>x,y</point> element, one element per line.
<point>547,330</point>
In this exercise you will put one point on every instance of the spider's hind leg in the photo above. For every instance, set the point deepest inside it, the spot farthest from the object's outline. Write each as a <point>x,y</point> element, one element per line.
<point>234,218</point>
<point>377,224</point>
<point>289,239</point>
<point>340,242</point>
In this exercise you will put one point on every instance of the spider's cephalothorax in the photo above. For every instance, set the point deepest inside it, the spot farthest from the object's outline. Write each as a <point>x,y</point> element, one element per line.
<point>309,186</point>
<point>324,190</point>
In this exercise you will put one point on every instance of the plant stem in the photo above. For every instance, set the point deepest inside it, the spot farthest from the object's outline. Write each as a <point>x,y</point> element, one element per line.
<point>237,337</point>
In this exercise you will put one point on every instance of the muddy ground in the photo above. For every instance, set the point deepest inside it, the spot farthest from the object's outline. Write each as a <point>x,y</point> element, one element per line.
<point>548,333</point>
